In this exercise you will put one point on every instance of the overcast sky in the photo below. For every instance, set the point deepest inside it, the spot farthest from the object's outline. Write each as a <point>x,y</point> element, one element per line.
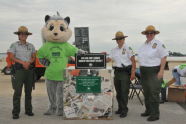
<point>103,17</point>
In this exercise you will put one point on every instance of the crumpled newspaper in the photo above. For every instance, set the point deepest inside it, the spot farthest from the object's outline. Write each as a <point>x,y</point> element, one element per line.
<point>89,105</point>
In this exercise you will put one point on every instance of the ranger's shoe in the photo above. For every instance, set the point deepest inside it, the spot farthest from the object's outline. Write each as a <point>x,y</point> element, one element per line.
<point>123,114</point>
<point>15,116</point>
<point>151,118</point>
<point>29,113</point>
<point>118,111</point>
<point>145,114</point>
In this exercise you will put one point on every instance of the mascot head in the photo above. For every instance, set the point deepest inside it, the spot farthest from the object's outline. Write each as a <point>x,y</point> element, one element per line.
<point>56,29</point>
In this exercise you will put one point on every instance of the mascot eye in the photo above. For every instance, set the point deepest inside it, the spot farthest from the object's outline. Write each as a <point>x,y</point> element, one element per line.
<point>51,27</point>
<point>62,28</point>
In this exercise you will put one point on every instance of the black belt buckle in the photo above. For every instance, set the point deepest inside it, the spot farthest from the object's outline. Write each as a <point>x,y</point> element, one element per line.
<point>127,68</point>
<point>32,66</point>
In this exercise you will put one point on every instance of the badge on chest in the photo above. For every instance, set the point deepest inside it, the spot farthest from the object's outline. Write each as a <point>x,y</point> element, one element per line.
<point>123,51</point>
<point>154,45</point>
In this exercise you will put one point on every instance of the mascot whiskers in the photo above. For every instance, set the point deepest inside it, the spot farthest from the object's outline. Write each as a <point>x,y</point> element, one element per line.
<point>54,55</point>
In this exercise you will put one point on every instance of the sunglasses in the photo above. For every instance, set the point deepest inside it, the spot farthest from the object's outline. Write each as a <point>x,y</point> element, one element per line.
<point>149,33</point>
<point>120,38</point>
<point>23,33</point>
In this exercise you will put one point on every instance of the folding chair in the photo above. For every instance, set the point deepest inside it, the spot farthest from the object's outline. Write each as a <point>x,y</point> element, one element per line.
<point>136,88</point>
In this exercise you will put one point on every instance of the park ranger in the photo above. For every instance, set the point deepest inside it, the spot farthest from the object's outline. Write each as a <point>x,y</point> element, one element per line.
<point>152,58</point>
<point>23,54</point>
<point>124,71</point>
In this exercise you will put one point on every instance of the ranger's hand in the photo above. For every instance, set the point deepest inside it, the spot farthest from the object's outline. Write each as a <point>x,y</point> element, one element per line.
<point>26,65</point>
<point>160,74</point>
<point>132,77</point>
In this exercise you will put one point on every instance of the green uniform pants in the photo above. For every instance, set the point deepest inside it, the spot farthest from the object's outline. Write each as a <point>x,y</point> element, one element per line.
<point>21,77</point>
<point>122,85</point>
<point>151,86</point>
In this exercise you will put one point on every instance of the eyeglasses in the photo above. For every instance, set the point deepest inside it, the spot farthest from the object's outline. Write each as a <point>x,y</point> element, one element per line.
<point>119,38</point>
<point>149,33</point>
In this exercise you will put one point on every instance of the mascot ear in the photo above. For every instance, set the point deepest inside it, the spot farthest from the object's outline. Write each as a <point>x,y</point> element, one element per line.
<point>47,17</point>
<point>67,19</point>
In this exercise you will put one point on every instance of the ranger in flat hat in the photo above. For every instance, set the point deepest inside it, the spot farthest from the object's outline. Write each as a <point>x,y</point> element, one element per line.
<point>124,71</point>
<point>23,54</point>
<point>152,58</point>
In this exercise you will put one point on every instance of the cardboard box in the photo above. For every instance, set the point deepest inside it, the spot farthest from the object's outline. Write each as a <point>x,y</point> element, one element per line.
<point>177,94</point>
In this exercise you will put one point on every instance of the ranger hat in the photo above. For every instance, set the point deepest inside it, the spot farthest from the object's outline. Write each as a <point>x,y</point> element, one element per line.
<point>119,35</point>
<point>22,29</point>
<point>150,28</point>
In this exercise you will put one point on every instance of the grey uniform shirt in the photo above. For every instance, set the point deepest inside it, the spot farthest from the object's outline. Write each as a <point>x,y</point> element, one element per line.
<point>22,51</point>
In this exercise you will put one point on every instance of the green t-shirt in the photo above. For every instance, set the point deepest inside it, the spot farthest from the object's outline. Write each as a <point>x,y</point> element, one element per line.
<point>57,54</point>
<point>182,66</point>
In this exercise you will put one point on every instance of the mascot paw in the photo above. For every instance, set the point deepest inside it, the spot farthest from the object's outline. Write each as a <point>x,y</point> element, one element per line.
<point>80,51</point>
<point>44,61</point>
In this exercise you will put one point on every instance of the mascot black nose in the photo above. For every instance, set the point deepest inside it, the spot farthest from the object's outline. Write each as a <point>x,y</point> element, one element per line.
<point>55,34</point>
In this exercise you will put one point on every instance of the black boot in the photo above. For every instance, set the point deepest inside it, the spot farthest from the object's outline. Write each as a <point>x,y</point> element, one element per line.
<point>15,116</point>
<point>29,113</point>
<point>151,118</point>
<point>118,111</point>
<point>145,114</point>
<point>123,114</point>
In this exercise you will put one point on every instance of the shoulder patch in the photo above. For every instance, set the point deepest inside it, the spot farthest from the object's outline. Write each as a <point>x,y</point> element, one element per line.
<point>163,46</point>
<point>12,45</point>
<point>130,48</point>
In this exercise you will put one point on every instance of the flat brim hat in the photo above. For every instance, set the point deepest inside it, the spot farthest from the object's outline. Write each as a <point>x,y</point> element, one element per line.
<point>119,35</point>
<point>23,30</point>
<point>150,28</point>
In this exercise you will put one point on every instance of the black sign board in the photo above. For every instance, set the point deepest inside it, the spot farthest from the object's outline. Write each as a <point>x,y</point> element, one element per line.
<point>90,61</point>
<point>82,38</point>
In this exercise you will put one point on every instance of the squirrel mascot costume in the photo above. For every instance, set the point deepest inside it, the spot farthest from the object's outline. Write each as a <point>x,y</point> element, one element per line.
<point>54,55</point>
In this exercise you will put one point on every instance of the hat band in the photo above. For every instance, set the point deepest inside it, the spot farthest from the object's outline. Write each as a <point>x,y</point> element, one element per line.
<point>27,33</point>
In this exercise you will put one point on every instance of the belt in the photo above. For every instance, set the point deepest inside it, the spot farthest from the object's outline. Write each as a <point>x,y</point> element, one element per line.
<point>18,66</point>
<point>149,66</point>
<point>123,69</point>
<point>116,68</point>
